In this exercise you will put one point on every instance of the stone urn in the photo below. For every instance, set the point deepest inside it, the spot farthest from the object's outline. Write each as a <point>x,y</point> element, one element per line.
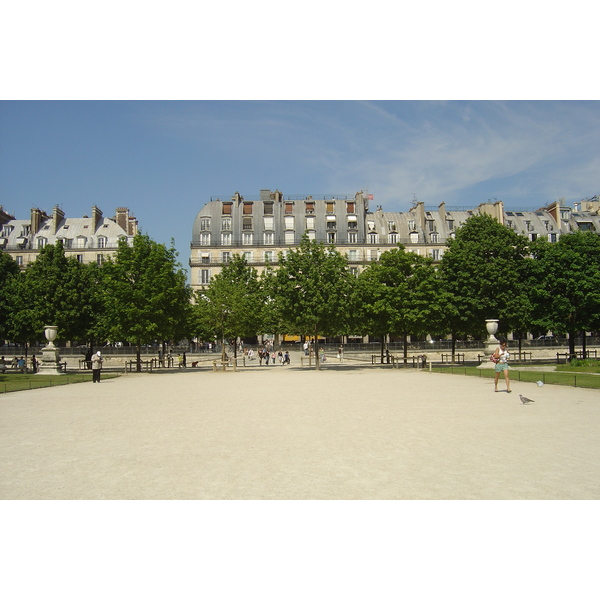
<point>490,344</point>
<point>50,361</point>
<point>50,331</point>
<point>492,326</point>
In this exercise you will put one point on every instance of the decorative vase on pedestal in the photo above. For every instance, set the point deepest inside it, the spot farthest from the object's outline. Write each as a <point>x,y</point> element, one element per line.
<point>50,361</point>
<point>490,344</point>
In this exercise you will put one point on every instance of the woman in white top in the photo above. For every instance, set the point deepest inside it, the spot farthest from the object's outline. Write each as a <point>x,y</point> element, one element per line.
<point>502,354</point>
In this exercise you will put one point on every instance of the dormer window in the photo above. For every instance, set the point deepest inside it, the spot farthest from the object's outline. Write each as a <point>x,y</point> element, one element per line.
<point>226,208</point>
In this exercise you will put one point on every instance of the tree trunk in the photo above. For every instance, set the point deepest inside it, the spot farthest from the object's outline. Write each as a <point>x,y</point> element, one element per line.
<point>405,340</point>
<point>138,356</point>
<point>382,347</point>
<point>571,345</point>
<point>453,347</point>
<point>583,345</point>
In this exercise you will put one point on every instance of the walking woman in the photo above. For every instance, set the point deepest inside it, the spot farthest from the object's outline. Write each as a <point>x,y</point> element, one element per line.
<point>501,355</point>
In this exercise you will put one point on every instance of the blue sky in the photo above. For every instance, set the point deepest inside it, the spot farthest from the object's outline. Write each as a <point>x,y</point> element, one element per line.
<point>165,159</point>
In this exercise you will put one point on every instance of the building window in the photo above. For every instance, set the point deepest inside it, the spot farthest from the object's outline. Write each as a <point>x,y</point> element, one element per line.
<point>352,237</point>
<point>226,210</point>
<point>67,243</point>
<point>268,208</point>
<point>289,208</point>
<point>289,222</point>
<point>80,258</point>
<point>204,277</point>
<point>431,225</point>
<point>374,255</point>
<point>350,207</point>
<point>353,255</point>
<point>312,234</point>
<point>226,224</point>
<point>391,226</point>
<point>393,238</point>
<point>205,258</point>
<point>371,225</point>
<point>247,223</point>
<point>552,237</point>
<point>225,257</point>
<point>450,224</point>
<point>247,209</point>
<point>205,239</point>
<point>81,242</point>
<point>329,207</point>
<point>269,256</point>
<point>414,237</point>
<point>248,257</point>
<point>19,261</point>
<point>41,242</point>
<point>353,271</point>
<point>434,238</point>
<point>331,223</point>
<point>226,239</point>
<point>310,222</point>
<point>102,242</point>
<point>289,237</point>
<point>435,254</point>
<point>247,239</point>
<point>528,225</point>
<point>269,222</point>
<point>331,237</point>
<point>268,238</point>
<point>411,225</point>
<point>205,224</point>
<point>373,238</point>
<point>532,237</point>
<point>310,208</point>
<point>100,259</point>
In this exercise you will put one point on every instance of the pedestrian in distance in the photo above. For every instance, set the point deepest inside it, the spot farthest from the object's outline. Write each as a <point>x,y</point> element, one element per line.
<point>97,361</point>
<point>500,358</point>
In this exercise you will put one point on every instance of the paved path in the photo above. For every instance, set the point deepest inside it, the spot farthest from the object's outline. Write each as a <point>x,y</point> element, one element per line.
<point>290,433</point>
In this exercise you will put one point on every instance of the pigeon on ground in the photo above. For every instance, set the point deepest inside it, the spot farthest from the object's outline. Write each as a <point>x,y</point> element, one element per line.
<point>525,400</point>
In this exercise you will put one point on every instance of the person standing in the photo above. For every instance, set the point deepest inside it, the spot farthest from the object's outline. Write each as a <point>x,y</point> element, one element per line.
<point>96,366</point>
<point>501,356</point>
<point>34,364</point>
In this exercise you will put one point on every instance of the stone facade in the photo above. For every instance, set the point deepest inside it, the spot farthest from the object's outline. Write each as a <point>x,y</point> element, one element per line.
<point>89,239</point>
<point>262,227</point>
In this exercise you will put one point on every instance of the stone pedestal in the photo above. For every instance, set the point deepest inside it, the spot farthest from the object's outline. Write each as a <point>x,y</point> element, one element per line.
<point>50,362</point>
<point>490,344</point>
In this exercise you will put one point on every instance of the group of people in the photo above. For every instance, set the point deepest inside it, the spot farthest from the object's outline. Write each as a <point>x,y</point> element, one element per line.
<point>19,364</point>
<point>267,356</point>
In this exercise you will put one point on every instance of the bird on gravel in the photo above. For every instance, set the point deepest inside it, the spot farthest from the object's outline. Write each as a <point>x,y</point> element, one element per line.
<point>525,400</point>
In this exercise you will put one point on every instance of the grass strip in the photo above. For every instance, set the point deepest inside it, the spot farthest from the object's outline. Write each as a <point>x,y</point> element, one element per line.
<point>585,380</point>
<point>17,382</point>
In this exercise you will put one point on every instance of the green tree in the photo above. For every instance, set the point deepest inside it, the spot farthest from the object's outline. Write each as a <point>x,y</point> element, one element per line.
<point>398,295</point>
<point>54,290</point>
<point>233,305</point>
<point>9,270</point>
<point>484,271</point>
<point>312,290</point>
<point>145,294</point>
<point>566,285</point>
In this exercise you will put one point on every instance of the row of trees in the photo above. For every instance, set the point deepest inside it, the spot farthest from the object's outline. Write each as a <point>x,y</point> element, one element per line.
<point>141,295</point>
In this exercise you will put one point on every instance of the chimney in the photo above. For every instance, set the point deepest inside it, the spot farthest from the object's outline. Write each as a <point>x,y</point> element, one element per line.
<point>57,216</point>
<point>132,225</point>
<point>4,216</point>
<point>96,217</point>
<point>122,218</point>
<point>37,217</point>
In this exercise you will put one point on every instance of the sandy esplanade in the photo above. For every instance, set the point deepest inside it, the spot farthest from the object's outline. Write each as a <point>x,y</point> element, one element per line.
<point>291,433</point>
